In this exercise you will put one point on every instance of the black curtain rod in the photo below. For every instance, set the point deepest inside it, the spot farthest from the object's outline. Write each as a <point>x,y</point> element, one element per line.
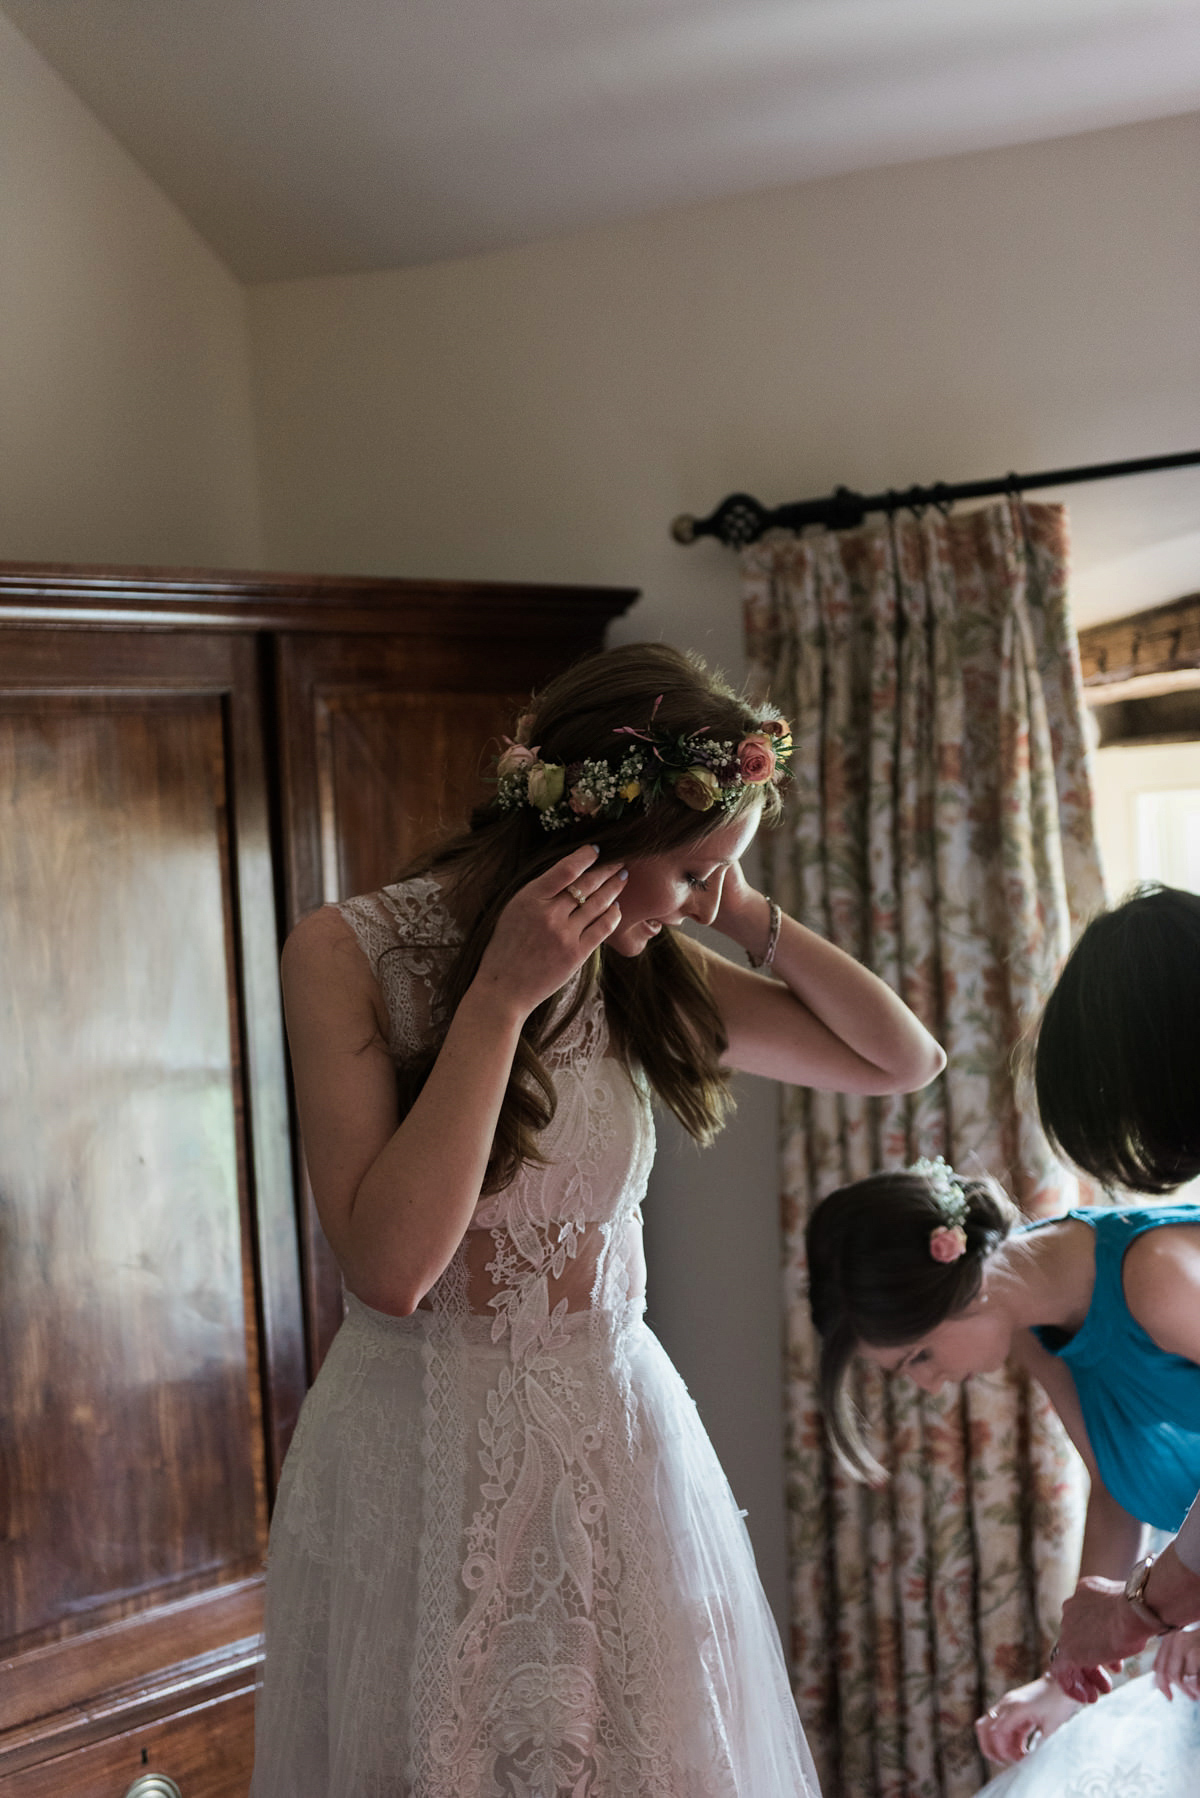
<point>741,519</point>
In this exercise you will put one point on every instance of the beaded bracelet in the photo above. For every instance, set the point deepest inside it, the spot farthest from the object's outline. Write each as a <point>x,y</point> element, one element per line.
<point>775,920</point>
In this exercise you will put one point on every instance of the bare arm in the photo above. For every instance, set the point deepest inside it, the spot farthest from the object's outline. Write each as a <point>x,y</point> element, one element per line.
<point>1100,1628</point>
<point>826,1022</point>
<point>1111,1537</point>
<point>395,1197</point>
<point>1110,1544</point>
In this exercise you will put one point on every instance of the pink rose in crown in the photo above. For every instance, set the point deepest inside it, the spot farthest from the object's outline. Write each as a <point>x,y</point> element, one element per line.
<point>698,787</point>
<point>948,1242</point>
<point>756,758</point>
<point>514,758</point>
<point>584,803</point>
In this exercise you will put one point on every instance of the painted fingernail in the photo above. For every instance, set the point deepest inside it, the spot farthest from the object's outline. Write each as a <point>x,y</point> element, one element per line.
<point>624,874</point>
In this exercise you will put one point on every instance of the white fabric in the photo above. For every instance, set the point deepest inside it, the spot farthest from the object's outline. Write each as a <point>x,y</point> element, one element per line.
<point>1187,1542</point>
<point>504,1561</point>
<point>1131,1744</point>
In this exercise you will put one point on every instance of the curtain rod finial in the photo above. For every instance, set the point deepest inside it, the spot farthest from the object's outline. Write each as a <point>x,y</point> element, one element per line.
<point>683,528</point>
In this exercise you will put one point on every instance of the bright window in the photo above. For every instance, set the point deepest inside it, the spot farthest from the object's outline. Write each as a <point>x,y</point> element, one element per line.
<point>1148,814</point>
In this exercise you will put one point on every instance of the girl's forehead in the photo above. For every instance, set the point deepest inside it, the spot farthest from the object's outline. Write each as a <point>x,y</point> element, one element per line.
<point>894,1355</point>
<point>888,1358</point>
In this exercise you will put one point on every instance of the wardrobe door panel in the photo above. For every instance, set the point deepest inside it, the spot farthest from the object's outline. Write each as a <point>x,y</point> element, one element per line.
<point>147,1378</point>
<point>396,770</point>
<point>386,742</point>
<point>122,1280</point>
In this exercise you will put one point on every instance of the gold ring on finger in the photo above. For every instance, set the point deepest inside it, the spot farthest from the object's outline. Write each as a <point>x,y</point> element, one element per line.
<point>577,896</point>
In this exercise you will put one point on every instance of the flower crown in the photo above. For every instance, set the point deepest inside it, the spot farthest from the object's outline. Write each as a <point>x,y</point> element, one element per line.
<point>693,768</point>
<point>949,1239</point>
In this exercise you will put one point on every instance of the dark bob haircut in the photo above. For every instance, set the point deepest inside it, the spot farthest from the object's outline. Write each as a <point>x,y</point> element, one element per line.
<point>1117,1057</point>
<point>872,1280</point>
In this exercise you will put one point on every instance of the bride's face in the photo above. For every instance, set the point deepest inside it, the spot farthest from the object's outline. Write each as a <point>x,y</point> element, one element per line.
<point>976,1341</point>
<point>681,883</point>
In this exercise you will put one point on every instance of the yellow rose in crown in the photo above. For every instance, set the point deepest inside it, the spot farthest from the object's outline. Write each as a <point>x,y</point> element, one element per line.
<point>698,787</point>
<point>545,785</point>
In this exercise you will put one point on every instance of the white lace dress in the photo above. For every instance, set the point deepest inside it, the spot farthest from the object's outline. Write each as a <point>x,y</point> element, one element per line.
<point>505,1562</point>
<point>1131,1744</point>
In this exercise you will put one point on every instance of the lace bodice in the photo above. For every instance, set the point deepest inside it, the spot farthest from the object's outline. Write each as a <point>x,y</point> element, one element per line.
<point>563,1235</point>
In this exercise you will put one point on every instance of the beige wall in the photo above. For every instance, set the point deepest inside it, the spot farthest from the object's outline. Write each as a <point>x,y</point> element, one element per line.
<point>545,412</point>
<point>125,424</point>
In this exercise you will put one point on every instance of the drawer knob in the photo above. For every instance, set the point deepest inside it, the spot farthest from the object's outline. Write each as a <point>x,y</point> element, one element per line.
<point>154,1785</point>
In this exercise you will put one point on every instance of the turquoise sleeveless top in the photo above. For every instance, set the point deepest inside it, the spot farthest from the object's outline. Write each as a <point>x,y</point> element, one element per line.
<point>1141,1405</point>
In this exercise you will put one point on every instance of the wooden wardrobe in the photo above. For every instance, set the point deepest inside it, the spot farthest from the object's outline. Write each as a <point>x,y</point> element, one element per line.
<point>188,762</point>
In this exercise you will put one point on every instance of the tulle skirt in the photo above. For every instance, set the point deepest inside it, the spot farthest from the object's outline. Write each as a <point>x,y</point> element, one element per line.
<point>490,1583</point>
<point>1133,1743</point>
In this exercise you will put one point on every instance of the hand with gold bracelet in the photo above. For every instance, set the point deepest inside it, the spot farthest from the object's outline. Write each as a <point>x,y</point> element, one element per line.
<point>1105,1621</point>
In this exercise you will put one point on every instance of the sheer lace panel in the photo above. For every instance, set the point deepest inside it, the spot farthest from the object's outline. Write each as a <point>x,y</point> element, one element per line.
<point>494,1273</point>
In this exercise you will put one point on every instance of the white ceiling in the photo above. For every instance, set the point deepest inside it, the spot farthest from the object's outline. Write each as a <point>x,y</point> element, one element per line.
<point>310,137</point>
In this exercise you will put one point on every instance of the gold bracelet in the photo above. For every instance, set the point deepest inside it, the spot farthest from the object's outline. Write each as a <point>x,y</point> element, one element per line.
<point>1135,1597</point>
<point>775,920</point>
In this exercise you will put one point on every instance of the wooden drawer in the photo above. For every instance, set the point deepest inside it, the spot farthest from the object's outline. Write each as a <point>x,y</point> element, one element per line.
<point>208,1751</point>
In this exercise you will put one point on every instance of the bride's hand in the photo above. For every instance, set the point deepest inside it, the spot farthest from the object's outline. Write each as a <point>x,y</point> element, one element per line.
<point>549,928</point>
<point>1007,1732</point>
<point>1177,1662</point>
<point>744,913</point>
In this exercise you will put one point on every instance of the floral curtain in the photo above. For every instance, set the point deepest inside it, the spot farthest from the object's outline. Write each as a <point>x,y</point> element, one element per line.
<point>940,829</point>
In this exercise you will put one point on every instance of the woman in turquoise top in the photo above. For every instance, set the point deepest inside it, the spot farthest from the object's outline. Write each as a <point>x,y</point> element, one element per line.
<point>934,1275</point>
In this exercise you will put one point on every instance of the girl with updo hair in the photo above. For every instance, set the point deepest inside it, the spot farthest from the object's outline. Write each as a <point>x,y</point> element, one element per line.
<point>881,1287</point>
<point>934,1275</point>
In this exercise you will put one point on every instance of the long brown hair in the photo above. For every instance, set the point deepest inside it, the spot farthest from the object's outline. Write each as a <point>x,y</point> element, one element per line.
<point>660,1010</point>
<point>872,1280</point>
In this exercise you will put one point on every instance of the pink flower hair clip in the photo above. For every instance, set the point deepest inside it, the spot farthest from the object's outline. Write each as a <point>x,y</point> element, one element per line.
<point>948,1240</point>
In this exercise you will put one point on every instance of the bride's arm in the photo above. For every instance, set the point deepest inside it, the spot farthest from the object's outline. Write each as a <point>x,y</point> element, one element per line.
<point>825,1022</point>
<point>394,1195</point>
